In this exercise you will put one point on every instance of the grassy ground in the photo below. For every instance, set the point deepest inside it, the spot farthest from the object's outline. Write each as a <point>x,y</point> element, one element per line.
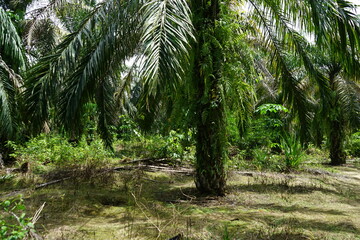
<point>136,204</point>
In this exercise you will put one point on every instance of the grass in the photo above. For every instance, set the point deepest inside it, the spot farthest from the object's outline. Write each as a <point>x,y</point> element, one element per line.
<point>144,205</point>
<point>315,202</point>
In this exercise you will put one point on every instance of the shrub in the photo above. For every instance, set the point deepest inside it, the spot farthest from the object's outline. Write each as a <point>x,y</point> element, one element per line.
<point>126,129</point>
<point>56,150</point>
<point>353,147</point>
<point>293,152</point>
<point>266,127</point>
<point>261,159</point>
<point>175,145</point>
<point>5,178</point>
<point>13,221</point>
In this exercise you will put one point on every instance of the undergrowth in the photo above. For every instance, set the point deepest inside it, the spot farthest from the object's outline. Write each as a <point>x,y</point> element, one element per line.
<point>13,221</point>
<point>173,146</point>
<point>57,152</point>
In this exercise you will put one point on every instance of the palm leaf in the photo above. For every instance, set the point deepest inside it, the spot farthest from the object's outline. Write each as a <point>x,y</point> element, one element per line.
<point>291,86</point>
<point>8,106</point>
<point>103,59</point>
<point>166,39</point>
<point>11,49</point>
<point>12,62</point>
<point>45,77</point>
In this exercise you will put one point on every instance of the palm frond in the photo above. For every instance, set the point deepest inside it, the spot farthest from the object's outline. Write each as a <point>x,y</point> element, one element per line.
<point>267,88</point>
<point>10,86</point>
<point>11,49</point>
<point>166,38</point>
<point>39,94</point>
<point>104,99</point>
<point>102,59</point>
<point>128,91</point>
<point>239,72</point>
<point>45,76</point>
<point>276,38</point>
<point>12,62</point>
<point>349,94</point>
<point>8,122</point>
<point>38,16</point>
<point>44,37</point>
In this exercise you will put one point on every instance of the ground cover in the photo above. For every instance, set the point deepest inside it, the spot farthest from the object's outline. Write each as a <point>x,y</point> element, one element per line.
<point>160,201</point>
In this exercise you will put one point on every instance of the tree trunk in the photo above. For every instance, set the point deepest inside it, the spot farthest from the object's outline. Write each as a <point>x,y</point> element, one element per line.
<point>336,120</point>
<point>318,138</point>
<point>5,152</point>
<point>210,107</point>
<point>337,154</point>
<point>210,148</point>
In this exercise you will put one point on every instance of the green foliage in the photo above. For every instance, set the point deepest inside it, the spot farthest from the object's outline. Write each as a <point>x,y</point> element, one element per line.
<point>266,129</point>
<point>293,152</point>
<point>175,145</point>
<point>271,108</point>
<point>232,129</point>
<point>353,147</point>
<point>238,67</point>
<point>264,160</point>
<point>226,235</point>
<point>126,128</point>
<point>56,150</point>
<point>12,63</point>
<point>16,17</point>
<point>71,14</point>
<point>13,221</point>
<point>4,178</point>
<point>259,159</point>
<point>87,66</point>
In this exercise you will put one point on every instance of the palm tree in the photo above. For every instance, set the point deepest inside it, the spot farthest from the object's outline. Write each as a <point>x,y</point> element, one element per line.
<point>46,24</point>
<point>334,106</point>
<point>12,63</point>
<point>181,43</point>
<point>340,110</point>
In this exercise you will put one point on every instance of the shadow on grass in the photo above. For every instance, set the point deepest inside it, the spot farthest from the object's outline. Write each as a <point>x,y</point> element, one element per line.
<point>162,201</point>
<point>280,188</point>
<point>338,227</point>
<point>304,210</point>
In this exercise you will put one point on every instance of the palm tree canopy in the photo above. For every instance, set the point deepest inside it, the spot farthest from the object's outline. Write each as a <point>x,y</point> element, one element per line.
<point>88,63</point>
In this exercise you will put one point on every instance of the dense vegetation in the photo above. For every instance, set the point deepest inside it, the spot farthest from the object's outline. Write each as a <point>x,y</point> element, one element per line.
<point>87,87</point>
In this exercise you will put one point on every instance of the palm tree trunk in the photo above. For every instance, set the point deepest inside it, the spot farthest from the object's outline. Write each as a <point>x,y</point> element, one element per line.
<point>210,147</point>
<point>210,110</point>
<point>337,154</point>
<point>318,138</point>
<point>336,131</point>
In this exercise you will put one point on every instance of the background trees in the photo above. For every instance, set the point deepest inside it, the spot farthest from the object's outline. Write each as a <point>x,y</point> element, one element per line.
<point>204,54</point>
<point>343,109</point>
